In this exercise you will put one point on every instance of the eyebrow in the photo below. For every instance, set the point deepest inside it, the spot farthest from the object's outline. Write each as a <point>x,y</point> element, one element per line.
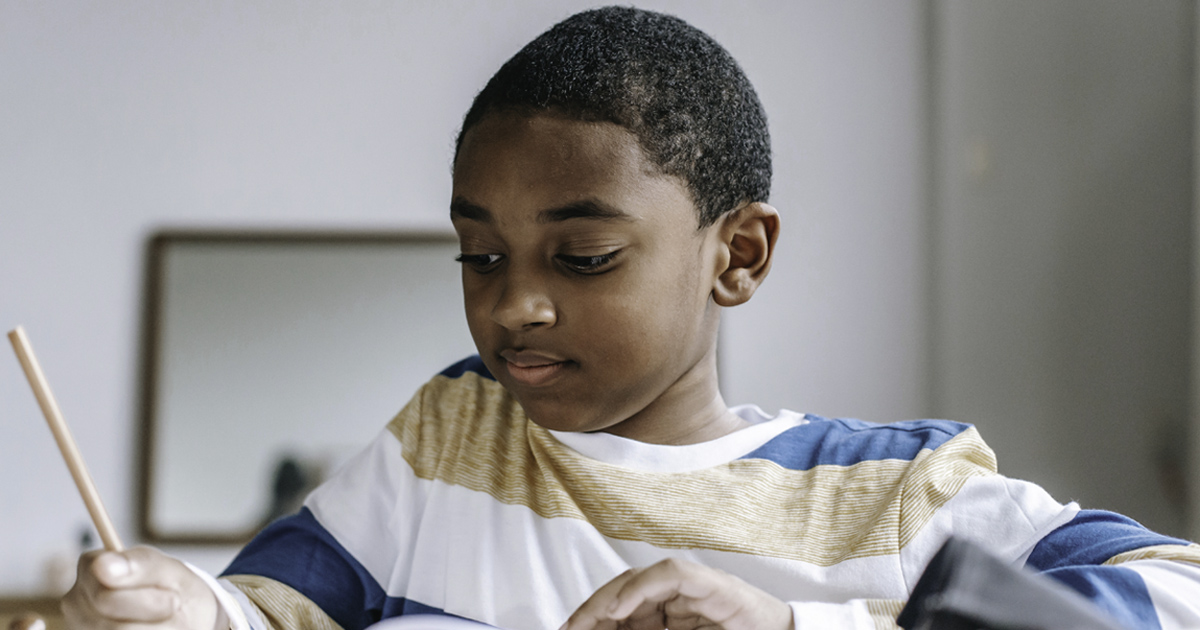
<point>586,209</point>
<point>463,209</point>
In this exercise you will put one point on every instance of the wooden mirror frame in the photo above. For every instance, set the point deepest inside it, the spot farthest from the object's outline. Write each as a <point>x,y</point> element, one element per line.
<point>151,342</point>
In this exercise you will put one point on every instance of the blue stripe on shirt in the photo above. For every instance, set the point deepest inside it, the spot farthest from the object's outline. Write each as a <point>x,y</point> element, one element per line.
<point>399,606</point>
<point>1093,537</point>
<point>843,442</point>
<point>299,552</point>
<point>470,364</point>
<point>1120,592</point>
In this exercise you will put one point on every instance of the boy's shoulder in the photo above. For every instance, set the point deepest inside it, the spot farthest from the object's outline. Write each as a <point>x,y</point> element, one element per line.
<point>466,399</point>
<point>844,442</point>
<point>464,393</point>
<point>470,365</point>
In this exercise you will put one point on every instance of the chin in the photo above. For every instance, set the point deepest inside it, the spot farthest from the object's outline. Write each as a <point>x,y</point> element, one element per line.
<point>553,422</point>
<point>556,418</point>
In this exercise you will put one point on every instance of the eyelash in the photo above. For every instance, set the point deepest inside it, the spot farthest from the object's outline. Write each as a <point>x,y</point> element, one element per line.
<point>482,263</point>
<point>586,265</point>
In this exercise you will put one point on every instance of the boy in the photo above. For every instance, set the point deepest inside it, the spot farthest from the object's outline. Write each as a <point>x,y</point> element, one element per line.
<point>610,189</point>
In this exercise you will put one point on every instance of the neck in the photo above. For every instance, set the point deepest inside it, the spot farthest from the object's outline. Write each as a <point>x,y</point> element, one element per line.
<point>689,412</point>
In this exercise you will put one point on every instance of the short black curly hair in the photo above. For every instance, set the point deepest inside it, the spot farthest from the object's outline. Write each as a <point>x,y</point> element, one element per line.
<point>693,110</point>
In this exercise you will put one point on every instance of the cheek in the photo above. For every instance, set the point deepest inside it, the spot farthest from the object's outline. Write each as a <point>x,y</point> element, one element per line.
<point>681,308</point>
<point>474,305</point>
<point>653,314</point>
<point>679,297</point>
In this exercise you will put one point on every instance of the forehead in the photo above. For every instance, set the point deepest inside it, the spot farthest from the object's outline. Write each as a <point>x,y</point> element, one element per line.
<point>508,160</point>
<point>551,138</point>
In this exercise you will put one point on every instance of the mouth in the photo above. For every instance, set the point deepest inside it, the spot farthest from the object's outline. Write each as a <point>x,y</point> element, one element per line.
<point>532,368</point>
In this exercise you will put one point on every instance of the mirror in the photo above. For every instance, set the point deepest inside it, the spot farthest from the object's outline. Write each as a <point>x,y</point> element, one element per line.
<point>270,358</point>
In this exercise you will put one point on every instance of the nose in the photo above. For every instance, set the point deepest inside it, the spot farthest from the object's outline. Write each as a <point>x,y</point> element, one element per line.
<point>524,303</point>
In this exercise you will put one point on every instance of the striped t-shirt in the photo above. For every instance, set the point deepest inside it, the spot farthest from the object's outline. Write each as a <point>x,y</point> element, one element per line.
<point>462,506</point>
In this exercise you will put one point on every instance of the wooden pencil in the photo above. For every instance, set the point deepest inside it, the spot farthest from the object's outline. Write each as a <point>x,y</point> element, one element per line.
<point>66,443</point>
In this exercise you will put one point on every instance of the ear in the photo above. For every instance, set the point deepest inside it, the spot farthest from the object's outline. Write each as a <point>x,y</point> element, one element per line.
<point>748,237</point>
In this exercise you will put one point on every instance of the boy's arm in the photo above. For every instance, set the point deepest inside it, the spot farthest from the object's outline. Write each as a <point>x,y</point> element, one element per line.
<point>299,573</point>
<point>324,568</point>
<point>1142,592</point>
<point>295,575</point>
<point>1142,578</point>
<point>254,602</point>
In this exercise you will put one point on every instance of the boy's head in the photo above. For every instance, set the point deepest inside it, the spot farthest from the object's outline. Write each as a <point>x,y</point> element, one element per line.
<point>687,101</point>
<point>589,291</point>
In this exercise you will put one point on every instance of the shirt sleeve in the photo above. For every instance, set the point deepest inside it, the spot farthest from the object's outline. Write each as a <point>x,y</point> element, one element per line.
<point>1143,579</point>
<point>230,610</point>
<point>1140,578</point>
<point>1148,587</point>
<point>326,566</point>
<point>858,614</point>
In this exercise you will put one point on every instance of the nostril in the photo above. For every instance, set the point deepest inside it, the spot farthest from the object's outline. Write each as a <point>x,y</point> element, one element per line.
<point>523,306</point>
<point>524,315</point>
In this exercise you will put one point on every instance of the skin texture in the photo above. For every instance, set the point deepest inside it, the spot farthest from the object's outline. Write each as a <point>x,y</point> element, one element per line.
<point>139,588</point>
<point>590,292</point>
<point>679,595</point>
<point>593,296</point>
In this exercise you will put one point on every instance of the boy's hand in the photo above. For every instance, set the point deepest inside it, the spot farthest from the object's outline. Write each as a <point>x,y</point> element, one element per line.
<point>138,588</point>
<point>680,595</point>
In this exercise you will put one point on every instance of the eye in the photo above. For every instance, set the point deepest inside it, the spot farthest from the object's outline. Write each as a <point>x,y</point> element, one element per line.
<point>481,263</point>
<point>590,265</point>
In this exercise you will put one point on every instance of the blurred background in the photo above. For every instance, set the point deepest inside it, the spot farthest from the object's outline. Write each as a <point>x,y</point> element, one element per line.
<point>988,212</point>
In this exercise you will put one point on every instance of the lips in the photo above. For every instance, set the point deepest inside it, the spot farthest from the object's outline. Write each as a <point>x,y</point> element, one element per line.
<point>532,368</point>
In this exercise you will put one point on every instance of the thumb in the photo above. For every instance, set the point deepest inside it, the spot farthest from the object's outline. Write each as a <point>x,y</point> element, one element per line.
<point>114,570</point>
<point>140,567</point>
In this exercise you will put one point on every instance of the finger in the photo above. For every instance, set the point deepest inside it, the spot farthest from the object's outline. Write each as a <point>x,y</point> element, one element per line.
<point>138,567</point>
<point>141,605</point>
<point>648,616</point>
<point>691,623</point>
<point>679,616</point>
<point>139,585</point>
<point>663,581</point>
<point>80,614</point>
<point>95,602</point>
<point>593,613</point>
<point>693,595</point>
<point>87,620</point>
<point>679,611</point>
<point>77,603</point>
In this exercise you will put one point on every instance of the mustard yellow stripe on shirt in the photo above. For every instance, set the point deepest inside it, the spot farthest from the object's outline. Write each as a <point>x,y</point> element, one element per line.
<point>469,432</point>
<point>884,612</point>
<point>936,476</point>
<point>1179,553</point>
<point>280,606</point>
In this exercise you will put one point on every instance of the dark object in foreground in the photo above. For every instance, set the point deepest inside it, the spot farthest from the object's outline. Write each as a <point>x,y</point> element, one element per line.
<point>966,588</point>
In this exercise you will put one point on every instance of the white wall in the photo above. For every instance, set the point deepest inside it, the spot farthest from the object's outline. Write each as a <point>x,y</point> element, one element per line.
<point>839,329</point>
<point>117,118</point>
<point>1063,196</point>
